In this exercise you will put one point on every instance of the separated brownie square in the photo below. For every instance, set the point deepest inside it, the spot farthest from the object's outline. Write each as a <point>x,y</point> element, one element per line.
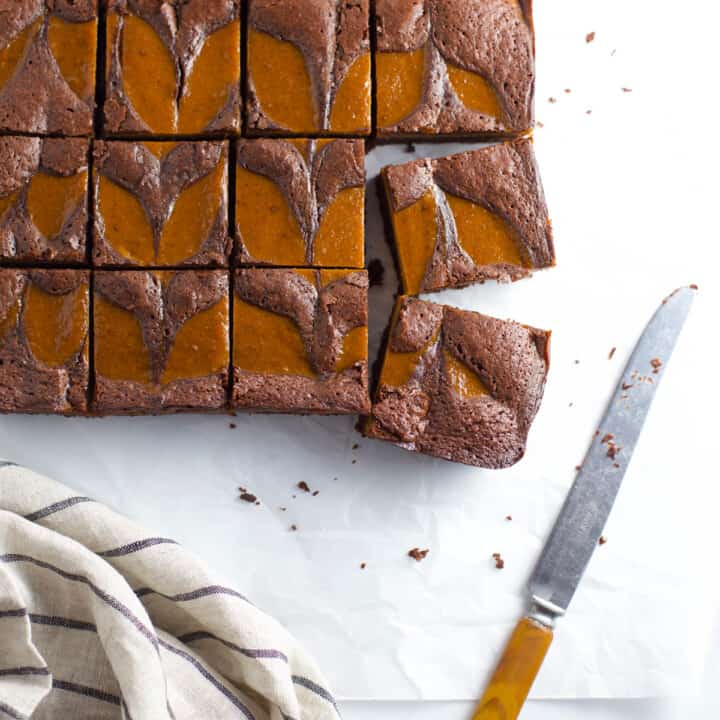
<point>44,341</point>
<point>300,202</point>
<point>47,66</point>
<point>161,203</point>
<point>300,341</point>
<point>43,199</point>
<point>475,216</point>
<point>161,341</point>
<point>172,68</point>
<point>454,67</point>
<point>459,385</point>
<point>308,67</point>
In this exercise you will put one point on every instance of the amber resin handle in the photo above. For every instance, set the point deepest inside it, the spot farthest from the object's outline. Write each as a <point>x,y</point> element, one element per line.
<point>516,671</point>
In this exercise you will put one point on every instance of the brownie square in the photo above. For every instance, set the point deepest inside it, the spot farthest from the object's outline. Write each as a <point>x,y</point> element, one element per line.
<point>308,67</point>
<point>44,341</point>
<point>300,202</point>
<point>459,385</point>
<point>161,341</point>
<point>300,341</point>
<point>47,66</point>
<point>455,67</point>
<point>161,203</point>
<point>43,200</point>
<point>172,68</point>
<point>469,217</point>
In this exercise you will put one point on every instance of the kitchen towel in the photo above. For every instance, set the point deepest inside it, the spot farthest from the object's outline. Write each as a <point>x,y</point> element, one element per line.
<point>101,620</point>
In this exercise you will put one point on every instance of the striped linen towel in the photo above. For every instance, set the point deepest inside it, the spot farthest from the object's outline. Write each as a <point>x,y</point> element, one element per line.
<point>100,620</point>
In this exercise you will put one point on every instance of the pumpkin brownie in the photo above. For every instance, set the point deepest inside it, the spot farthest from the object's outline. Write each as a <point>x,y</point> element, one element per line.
<point>454,67</point>
<point>459,385</point>
<point>44,341</point>
<point>161,203</point>
<point>308,67</point>
<point>300,202</point>
<point>47,66</point>
<point>475,216</point>
<point>172,68</point>
<point>43,199</point>
<point>300,341</point>
<point>161,341</point>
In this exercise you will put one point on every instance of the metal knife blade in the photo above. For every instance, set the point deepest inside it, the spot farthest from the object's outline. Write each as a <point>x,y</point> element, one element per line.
<point>587,506</point>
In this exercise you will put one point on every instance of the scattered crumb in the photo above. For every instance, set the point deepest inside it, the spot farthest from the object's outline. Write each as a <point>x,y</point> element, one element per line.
<point>613,450</point>
<point>539,124</point>
<point>248,497</point>
<point>363,566</point>
<point>410,147</point>
<point>552,100</point>
<point>626,90</point>
<point>578,468</point>
<point>590,37</point>
<point>570,405</point>
<point>334,479</point>
<point>354,461</point>
<point>417,554</point>
<point>499,562</point>
<point>602,540</point>
<point>693,286</point>
<point>608,437</point>
<point>302,485</point>
<point>355,446</point>
<point>611,354</point>
<point>588,112</point>
<point>283,509</point>
<point>616,465</point>
<point>294,496</point>
<point>567,91</point>
<point>597,432</point>
<point>376,272</point>
<point>508,518</point>
<point>315,493</point>
<point>626,386</point>
<point>656,365</point>
<point>577,362</point>
<point>232,426</point>
<point>293,528</point>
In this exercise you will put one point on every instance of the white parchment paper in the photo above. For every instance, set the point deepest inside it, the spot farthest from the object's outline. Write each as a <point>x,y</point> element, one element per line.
<point>633,197</point>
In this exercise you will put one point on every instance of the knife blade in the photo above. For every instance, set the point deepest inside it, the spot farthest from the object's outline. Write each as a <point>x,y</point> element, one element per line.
<point>587,506</point>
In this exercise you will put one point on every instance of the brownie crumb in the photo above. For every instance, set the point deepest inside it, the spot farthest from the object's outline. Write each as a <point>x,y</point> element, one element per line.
<point>567,91</point>
<point>354,461</point>
<point>616,465</point>
<point>656,365</point>
<point>608,437</point>
<point>693,286</point>
<point>508,518</point>
<point>590,37</point>
<point>293,528</point>
<point>232,426</point>
<point>570,405</point>
<point>626,90</point>
<point>315,493</point>
<point>355,446</point>
<point>540,124</point>
<point>602,540</point>
<point>363,566</point>
<point>302,485</point>
<point>283,509</point>
<point>552,100</point>
<point>613,450</point>
<point>576,362</point>
<point>376,272</point>
<point>578,468</point>
<point>611,354</point>
<point>588,112</point>
<point>499,562</point>
<point>626,386</point>
<point>417,554</point>
<point>410,147</point>
<point>248,497</point>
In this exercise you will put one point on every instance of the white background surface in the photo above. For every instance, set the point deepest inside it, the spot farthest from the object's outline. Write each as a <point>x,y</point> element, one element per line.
<point>633,192</point>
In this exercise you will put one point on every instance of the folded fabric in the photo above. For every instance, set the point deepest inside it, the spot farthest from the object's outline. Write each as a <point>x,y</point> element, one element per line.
<point>99,619</point>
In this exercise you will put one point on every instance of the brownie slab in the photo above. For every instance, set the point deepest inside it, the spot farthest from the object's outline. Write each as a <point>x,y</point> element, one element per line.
<point>300,341</point>
<point>161,341</point>
<point>161,203</point>
<point>47,66</point>
<point>300,202</point>
<point>308,67</point>
<point>475,216</point>
<point>454,67</point>
<point>172,68</point>
<point>459,385</point>
<point>44,341</point>
<point>43,200</point>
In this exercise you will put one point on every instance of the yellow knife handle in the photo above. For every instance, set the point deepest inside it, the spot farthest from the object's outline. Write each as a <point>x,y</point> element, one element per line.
<point>516,671</point>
